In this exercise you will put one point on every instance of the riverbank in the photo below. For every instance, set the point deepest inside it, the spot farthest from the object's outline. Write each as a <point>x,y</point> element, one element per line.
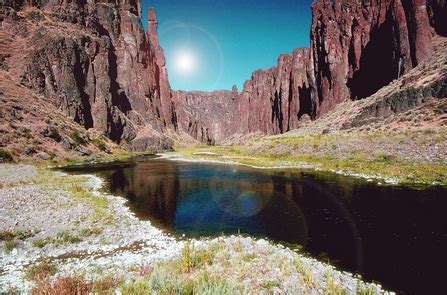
<point>412,157</point>
<point>60,231</point>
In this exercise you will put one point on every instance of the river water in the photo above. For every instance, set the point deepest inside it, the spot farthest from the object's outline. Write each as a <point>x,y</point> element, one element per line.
<point>390,234</point>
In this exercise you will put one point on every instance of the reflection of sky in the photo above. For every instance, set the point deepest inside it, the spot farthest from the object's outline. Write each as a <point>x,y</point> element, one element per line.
<point>199,213</point>
<point>232,38</point>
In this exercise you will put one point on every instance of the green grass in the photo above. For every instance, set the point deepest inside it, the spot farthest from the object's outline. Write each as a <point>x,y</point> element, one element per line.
<point>75,187</point>
<point>17,234</point>
<point>10,245</point>
<point>281,151</point>
<point>40,271</point>
<point>214,268</point>
<point>9,237</point>
<point>77,138</point>
<point>333,287</point>
<point>62,238</point>
<point>113,157</point>
<point>5,156</point>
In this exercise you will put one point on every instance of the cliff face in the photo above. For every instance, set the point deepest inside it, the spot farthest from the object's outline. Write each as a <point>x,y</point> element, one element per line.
<point>206,116</point>
<point>357,47</point>
<point>95,62</point>
<point>361,46</point>
<point>437,9</point>
<point>273,100</point>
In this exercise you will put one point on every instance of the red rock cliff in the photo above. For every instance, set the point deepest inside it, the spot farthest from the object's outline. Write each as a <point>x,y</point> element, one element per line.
<point>360,46</point>
<point>274,100</point>
<point>94,61</point>
<point>206,116</point>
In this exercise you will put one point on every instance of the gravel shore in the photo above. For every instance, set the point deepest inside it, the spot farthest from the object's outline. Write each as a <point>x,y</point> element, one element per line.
<point>68,231</point>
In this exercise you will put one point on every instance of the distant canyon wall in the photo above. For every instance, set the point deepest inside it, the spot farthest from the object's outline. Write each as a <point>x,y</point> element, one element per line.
<point>206,116</point>
<point>357,47</point>
<point>94,61</point>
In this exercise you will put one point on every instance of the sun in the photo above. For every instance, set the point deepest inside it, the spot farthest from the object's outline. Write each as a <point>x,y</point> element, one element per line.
<point>186,62</point>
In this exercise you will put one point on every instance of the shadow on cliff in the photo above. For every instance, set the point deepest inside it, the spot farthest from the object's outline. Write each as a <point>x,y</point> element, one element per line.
<point>377,63</point>
<point>85,100</point>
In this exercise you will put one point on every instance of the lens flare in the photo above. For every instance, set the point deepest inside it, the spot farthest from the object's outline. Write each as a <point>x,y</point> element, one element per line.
<point>186,62</point>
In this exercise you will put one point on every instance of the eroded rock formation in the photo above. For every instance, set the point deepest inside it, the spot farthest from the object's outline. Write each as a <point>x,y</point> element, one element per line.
<point>361,46</point>
<point>94,61</point>
<point>357,47</point>
<point>273,100</point>
<point>206,116</point>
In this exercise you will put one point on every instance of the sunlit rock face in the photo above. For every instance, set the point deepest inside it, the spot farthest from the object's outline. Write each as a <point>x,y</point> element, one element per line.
<point>274,100</point>
<point>357,47</point>
<point>94,60</point>
<point>206,116</point>
<point>271,102</point>
<point>361,46</point>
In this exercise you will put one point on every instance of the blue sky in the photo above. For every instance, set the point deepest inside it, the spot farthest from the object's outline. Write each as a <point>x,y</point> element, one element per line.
<point>223,42</point>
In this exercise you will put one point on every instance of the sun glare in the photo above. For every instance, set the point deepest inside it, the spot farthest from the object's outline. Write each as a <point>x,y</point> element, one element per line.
<point>186,62</point>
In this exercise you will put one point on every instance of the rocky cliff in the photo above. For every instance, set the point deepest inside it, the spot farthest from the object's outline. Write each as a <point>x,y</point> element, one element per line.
<point>95,62</point>
<point>206,116</point>
<point>361,46</point>
<point>274,100</point>
<point>357,47</point>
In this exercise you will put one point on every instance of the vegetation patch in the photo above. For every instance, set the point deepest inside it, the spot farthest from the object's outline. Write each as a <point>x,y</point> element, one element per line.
<point>345,153</point>
<point>77,138</point>
<point>5,156</point>
<point>63,237</point>
<point>40,271</point>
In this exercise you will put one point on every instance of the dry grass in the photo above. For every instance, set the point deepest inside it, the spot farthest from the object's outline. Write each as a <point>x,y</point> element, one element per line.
<point>62,286</point>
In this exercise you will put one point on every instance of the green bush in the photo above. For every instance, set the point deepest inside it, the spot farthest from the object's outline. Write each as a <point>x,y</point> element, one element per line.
<point>10,245</point>
<point>77,138</point>
<point>5,156</point>
<point>54,134</point>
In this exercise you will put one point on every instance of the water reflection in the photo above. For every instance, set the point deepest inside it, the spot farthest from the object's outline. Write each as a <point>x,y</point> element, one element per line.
<point>394,235</point>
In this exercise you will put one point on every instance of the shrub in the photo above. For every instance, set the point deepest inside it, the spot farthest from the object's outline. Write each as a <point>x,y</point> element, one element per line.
<point>54,134</point>
<point>138,287</point>
<point>40,243</point>
<point>187,257</point>
<point>100,144</point>
<point>63,285</point>
<point>10,245</point>
<point>106,285</point>
<point>5,156</point>
<point>40,271</point>
<point>77,138</point>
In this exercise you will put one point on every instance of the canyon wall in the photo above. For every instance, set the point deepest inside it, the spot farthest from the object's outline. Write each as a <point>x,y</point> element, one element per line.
<point>274,100</point>
<point>361,46</point>
<point>357,47</point>
<point>206,116</point>
<point>437,9</point>
<point>94,61</point>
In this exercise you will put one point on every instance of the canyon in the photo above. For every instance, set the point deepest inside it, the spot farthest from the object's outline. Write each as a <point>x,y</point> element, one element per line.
<point>94,62</point>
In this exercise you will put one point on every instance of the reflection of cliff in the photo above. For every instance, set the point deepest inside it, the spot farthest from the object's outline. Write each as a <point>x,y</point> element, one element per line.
<point>151,193</point>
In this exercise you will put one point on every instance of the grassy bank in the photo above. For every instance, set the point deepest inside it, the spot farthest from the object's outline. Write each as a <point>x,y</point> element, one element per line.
<point>232,265</point>
<point>411,157</point>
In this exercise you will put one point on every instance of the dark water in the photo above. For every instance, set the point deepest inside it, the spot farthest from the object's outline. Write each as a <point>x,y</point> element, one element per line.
<point>396,236</point>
